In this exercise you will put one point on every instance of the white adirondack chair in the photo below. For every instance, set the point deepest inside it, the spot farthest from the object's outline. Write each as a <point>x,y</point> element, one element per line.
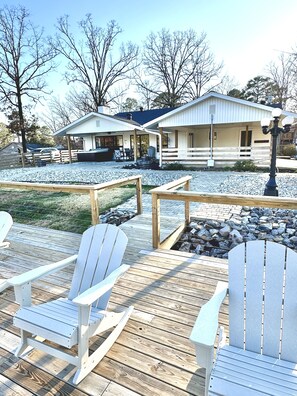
<point>261,358</point>
<point>5,226</point>
<point>73,320</point>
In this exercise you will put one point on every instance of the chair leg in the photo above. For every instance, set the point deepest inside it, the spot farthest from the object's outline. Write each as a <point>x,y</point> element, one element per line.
<point>98,355</point>
<point>24,343</point>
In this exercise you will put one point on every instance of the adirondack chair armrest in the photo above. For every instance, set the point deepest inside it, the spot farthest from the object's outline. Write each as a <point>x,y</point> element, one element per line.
<point>91,295</point>
<point>37,273</point>
<point>3,284</point>
<point>205,329</point>
<point>4,245</point>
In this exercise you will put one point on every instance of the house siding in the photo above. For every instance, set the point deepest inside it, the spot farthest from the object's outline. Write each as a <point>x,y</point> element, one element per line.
<point>225,112</point>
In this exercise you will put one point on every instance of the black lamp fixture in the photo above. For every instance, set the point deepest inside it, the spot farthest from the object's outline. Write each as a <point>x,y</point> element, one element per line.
<point>275,130</point>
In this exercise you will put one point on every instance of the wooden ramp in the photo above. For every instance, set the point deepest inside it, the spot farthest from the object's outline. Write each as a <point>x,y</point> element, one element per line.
<point>153,355</point>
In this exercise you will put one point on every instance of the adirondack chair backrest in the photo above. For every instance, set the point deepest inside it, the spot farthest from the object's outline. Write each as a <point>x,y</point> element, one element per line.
<point>5,224</point>
<point>263,299</point>
<point>101,251</point>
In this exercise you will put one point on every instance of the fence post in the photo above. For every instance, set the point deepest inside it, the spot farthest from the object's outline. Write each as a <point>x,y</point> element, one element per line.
<point>23,159</point>
<point>69,148</point>
<point>155,220</point>
<point>94,206</point>
<point>187,203</point>
<point>139,195</point>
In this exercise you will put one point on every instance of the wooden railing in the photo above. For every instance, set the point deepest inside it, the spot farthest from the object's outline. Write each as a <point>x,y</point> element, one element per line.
<point>11,160</point>
<point>14,160</point>
<point>40,159</point>
<point>168,191</point>
<point>92,190</point>
<point>222,156</point>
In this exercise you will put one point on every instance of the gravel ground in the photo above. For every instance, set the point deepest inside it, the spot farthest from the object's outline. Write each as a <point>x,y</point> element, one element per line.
<point>202,181</point>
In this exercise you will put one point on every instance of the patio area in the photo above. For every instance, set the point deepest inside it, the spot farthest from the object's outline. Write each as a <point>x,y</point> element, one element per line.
<point>153,355</point>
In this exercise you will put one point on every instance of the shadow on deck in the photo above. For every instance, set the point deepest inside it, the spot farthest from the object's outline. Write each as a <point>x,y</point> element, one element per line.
<point>153,355</point>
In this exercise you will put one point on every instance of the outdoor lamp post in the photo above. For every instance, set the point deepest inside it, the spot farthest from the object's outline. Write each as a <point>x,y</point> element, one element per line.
<point>275,130</point>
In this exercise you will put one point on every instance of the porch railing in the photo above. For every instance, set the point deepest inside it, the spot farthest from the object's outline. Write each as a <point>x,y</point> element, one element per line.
<point>169,192</point>
<point>222,156</point>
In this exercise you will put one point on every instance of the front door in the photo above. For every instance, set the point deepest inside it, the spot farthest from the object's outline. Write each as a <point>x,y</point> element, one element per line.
<point>142,144</point>
<point>245,141</point>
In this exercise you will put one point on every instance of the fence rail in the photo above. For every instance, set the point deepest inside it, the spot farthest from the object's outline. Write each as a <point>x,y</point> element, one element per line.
<point>168,191</point>
<point>92,190</point>
<point>221,155</point>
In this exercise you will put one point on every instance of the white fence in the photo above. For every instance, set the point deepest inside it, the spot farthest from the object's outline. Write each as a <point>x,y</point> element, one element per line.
<point>222,156</point>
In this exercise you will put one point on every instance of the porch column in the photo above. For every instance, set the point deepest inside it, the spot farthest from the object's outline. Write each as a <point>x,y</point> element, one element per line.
<point>135,146</point>
<point>69,148</point>
<point>160,146</point>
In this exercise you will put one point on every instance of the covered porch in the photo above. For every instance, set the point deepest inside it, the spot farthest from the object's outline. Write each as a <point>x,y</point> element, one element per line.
<point>125,138</point>
<point>216,145</point>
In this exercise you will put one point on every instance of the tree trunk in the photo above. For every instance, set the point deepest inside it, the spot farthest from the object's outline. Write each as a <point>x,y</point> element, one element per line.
<point>22,124</point>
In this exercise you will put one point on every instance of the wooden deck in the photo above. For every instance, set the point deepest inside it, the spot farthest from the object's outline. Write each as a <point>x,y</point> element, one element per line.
<point>153,355</point>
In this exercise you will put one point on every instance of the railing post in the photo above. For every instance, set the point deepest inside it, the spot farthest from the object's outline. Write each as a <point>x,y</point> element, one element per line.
<point>94,207</point>
<point>69,148</point>
<point>155,220</point>
<point>139,195</point>
<point>23,159</point>
<point>187,203</point>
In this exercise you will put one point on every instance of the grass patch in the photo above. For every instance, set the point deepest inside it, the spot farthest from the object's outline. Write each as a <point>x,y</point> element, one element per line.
<point>60,211</point>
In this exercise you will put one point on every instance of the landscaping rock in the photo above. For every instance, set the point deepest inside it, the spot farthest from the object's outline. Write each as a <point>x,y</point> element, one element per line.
<point>212,238</point>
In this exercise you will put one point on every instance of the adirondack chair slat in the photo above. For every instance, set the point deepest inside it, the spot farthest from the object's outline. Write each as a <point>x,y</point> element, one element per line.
<point>73,320</point>
<point>289,328</point>
<point>252,374</point>
<point>116,256</point>
<point>236,295</point>
<point>87,256</point>
<point>273,298</point>
<point>254,296</point>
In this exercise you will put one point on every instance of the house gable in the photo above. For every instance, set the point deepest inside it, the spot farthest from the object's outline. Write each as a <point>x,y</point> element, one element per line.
<point>227,110</point>
<point>96,123</point>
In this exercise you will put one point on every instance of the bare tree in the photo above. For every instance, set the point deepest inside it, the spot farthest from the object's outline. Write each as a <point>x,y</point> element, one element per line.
<point>25,61</point>
<point>283,73</point>
<point>90,59</point>
<point>180,63</point>
<point>147,90</point>
<point>205,73</point>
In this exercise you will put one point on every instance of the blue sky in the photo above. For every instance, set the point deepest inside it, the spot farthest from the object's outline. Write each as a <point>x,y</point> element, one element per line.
<point>245,35</point>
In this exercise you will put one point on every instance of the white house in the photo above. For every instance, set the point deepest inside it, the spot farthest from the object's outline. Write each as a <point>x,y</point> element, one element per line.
<point>215,129</point>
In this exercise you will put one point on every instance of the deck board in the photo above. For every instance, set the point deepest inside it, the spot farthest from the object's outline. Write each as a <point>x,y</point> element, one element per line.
<point>153,355</point>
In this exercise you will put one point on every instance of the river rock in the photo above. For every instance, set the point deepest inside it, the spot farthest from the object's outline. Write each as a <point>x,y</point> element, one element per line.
<point>214,238</point>
<point>225,231</point>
